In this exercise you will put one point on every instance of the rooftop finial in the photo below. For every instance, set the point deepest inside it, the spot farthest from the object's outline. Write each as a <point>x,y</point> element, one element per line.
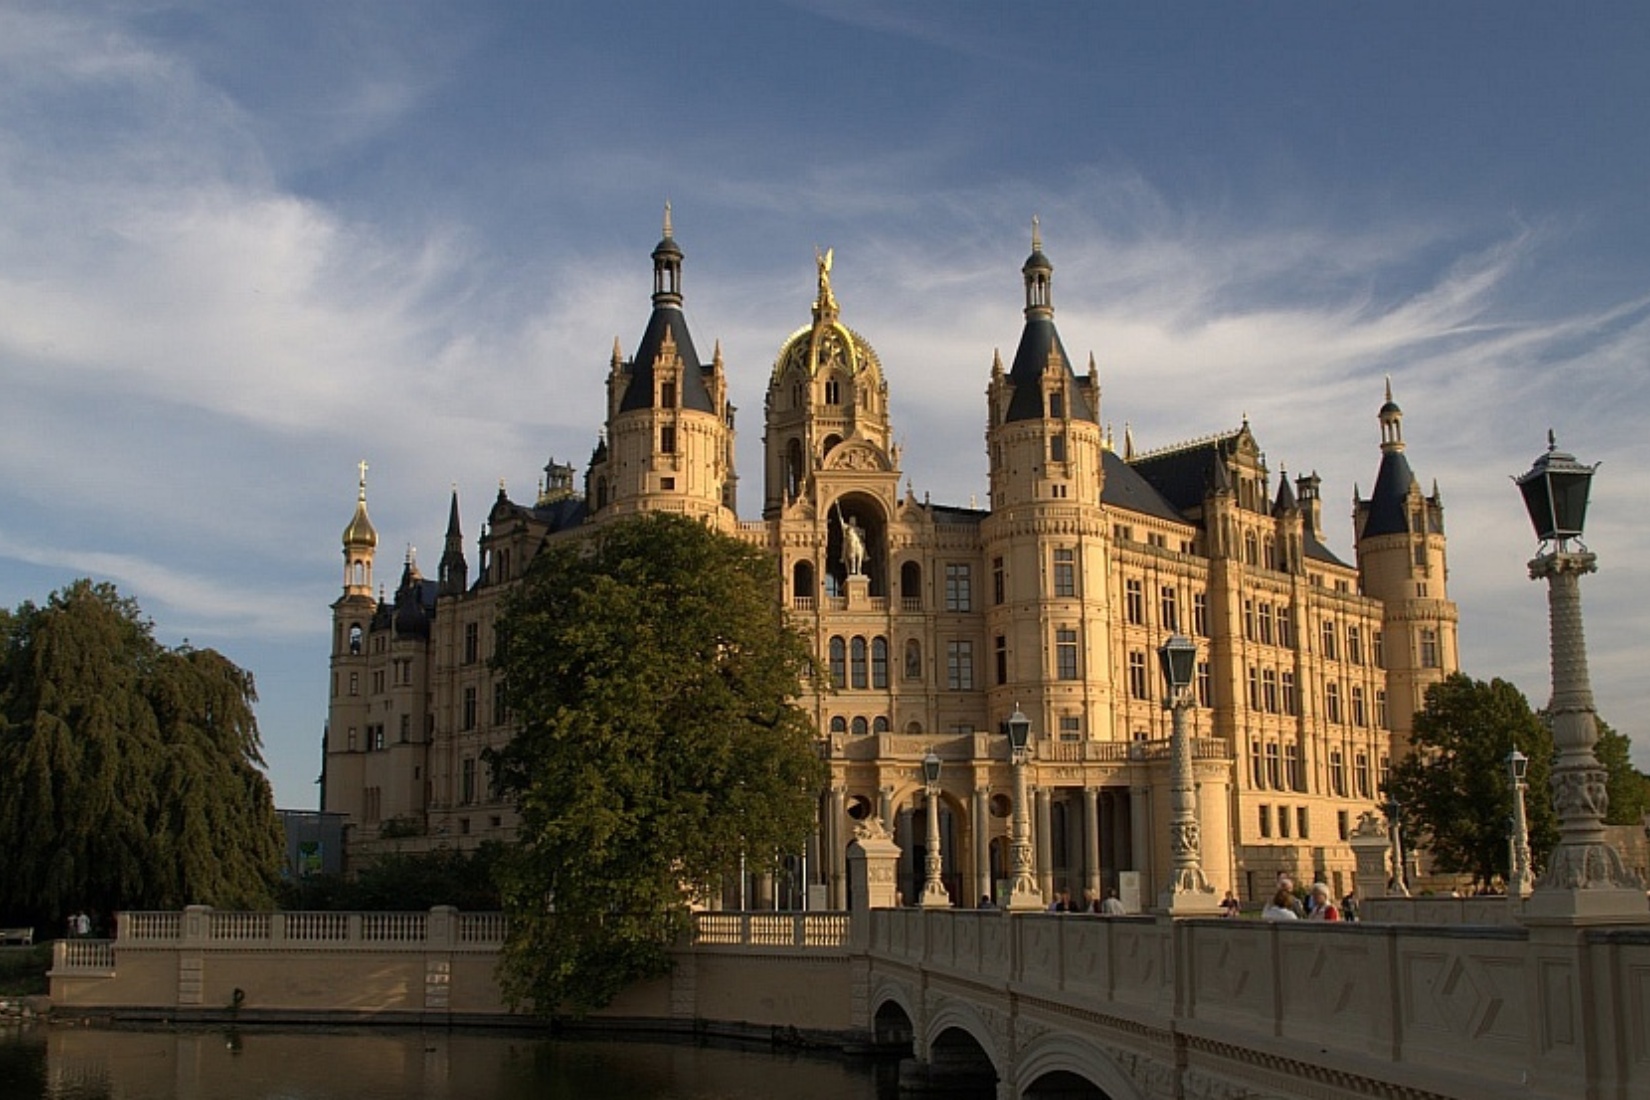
<point>826,304</point>
<point>1389,388</point>
<point>363,468</point>
<point>668,232</point>
<point>1036,234</point>
<point>1552,442</point>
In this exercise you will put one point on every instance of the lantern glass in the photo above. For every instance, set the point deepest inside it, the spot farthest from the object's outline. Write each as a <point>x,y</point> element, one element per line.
<point>931,770</point>
<point>1518,765</point>
<point>1178,657</point>
<point>1555,495</point>
<point>1019,730</point>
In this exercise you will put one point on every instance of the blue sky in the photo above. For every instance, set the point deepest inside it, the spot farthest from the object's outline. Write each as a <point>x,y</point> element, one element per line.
<point>244,246</point>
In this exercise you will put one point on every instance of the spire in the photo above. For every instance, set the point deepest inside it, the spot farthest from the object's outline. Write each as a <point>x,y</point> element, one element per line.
<point>667,268</point>
<point>1039,277</point>
<point>454,572</point>
<point>1128,442</point>
<point>360,541</point>
<point>1392,423</point>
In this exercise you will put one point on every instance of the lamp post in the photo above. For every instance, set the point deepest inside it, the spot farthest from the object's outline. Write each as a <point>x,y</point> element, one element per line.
<point>933,889</point>
<point>1187,893</point>
<point>1023,893</point>
<point>1518,873</point>
<point>1585,879</point>
<point>1400,887</point>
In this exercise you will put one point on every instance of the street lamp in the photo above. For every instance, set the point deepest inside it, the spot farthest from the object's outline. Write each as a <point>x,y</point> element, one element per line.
<point>1585,878</point>
<point>1400,887</point>
<point>1023,893</point>
<point>1187,893</point>
<point>1518,873</point>
<point>933,890</point>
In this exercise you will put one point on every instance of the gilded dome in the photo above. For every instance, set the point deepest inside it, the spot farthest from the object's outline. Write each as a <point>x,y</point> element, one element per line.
<point>360,531</point>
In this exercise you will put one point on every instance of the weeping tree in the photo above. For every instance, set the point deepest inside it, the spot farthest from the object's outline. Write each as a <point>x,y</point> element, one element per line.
<point>130,773</point>
<point>652,678</point>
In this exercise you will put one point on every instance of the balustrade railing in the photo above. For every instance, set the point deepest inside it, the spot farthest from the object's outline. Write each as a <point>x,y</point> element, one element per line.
<point>96,956</point>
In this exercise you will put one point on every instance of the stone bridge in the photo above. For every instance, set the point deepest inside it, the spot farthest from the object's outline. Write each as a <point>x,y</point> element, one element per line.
<point>1144,1008</point>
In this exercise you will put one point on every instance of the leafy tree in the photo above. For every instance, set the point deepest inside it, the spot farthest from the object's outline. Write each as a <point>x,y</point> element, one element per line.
<point>1454,790</point>
<point>1629,788</point>
<point>405,881</point>
<point>129,772</point>
<point>653,680</point>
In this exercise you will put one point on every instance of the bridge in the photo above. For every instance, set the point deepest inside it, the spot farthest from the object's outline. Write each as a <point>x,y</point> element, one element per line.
<point>988,1003</point>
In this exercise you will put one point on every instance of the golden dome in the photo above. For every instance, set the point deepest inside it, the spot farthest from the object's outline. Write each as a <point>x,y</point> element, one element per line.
<point>360,531</point>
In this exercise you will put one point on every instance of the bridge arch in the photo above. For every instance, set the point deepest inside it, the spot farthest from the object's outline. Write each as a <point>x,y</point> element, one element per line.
<point>1061,1064</point>
<point>958,1018</point>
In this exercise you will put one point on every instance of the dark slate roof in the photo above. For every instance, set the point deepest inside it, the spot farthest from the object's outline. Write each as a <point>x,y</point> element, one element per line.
<point>1316,550</point>
<point>1125,488</point>
<point>1030,360</point>
<point>1183,476</point>
<point>562,514</point>
<point>1388,504</point>
<point>639,394</point>
<point>951,513</point>
<point>1286,497</point>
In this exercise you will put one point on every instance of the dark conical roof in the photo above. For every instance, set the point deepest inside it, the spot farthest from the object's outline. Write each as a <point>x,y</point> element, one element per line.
<point>1030,360</point>
<point>667,321</point>
<point>1388,504</point>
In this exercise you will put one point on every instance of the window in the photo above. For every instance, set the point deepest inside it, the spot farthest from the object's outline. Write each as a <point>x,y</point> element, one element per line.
<point>1266,821</point>
<point>1360,774</point>
<point>1380,710</point>
<point>1337,773</point>
<point>469,717</point>
<point>1134,599</point>
<point>1354,645</point>
<point>1332,701</point>
<point>1358,715</point>
<point>1169,608</point>
<point>1254,688</point>
<point>406,728</point>
<point>1071,727</point>
<point>833,392</point>
<point>355,683</point>
<point>667,394</point>
<point>1248,620</point>
<point>1343,824</point>
<point>1269,689</point>
<point>1251,551</point>
<point>1429,649</point>
<point>1292,767</point>
<point>467,781</point>
<point>1289,694</point>
<point>839,662</point>
<point>1302,821</point>
<point>879,663</point>
<point>856,664</point>
<point>1137,675</point>
<point>1065,573</point>
<point>500,711</point>
<point>350,744</point>
<point>667,439</point>
<point>879,724</point>
<point>378,682</point>
<point>378,737</point>
<point>1283,821</point>
<point>839,724</point>
<point>1065,653</point>
<point>958,596</point>
<point>1205,685</point>
<point>1200,614</point>
<point>1057,447</point>
<point>999,582</point>
<point>959,665</point>
<point>472,642</point>
<point>1286,626</point>
<point>1056,406</point>
<point>859,727</point>
<point>1266,623</point>
<point>1257,770</point>
<point>1329,649</point>
<point>1000,645</point>
<point>1274,770</point>
<point>1377,648</point>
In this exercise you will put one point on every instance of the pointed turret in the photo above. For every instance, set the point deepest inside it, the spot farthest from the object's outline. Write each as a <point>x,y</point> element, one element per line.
<point>1041,352</point>
<point>360,542</point>
<point>455,571</point>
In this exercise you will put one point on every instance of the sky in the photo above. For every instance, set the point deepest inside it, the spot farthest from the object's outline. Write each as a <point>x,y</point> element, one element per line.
<point>244,246</point>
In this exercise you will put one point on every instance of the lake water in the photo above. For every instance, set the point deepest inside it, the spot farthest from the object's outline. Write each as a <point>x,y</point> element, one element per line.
<point>81,1063</point>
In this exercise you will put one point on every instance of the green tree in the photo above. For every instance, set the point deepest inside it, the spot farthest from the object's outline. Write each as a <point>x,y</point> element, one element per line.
<point>653,679</point>
<point>1454,790</point>
<point>129,772</point>
<point>1629,788</point>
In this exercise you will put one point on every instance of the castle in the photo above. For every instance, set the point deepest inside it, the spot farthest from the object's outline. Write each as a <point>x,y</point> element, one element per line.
<point>937,622</point>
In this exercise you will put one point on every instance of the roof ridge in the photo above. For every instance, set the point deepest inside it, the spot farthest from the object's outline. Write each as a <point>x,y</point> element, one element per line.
<point>1188,445</point>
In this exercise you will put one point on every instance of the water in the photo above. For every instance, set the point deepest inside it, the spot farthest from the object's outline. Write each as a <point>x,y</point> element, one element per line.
<point>81,1063</point>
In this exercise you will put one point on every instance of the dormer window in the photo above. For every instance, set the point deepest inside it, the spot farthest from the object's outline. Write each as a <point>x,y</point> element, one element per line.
<point>1056,406</point>
<point>667,395</point>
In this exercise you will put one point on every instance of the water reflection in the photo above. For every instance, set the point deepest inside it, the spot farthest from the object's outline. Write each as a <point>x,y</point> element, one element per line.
<point>71,1063</point>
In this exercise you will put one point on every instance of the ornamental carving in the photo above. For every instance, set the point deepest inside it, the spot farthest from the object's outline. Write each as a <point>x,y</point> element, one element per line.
<point>1184,838</point>
<point>856,458</point>
<point>1580,792</point>
<point>872,828</point>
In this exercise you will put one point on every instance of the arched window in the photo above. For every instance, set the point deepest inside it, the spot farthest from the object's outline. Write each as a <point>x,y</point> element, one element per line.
<point>793,469</point>
<point>879,724</point>
<point>802,581</point>
<point>856,664</point>
<point>839,724</point>
<point>839,662</point>
<point>910,585</point>
<point>1251,552</point>
<point>859,727</point>
<point>355,638</point>
<point>879,663</point>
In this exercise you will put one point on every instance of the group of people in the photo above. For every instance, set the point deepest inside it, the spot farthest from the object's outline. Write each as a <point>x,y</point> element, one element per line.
<point>79,925</point>
<point>1319,904</point>
<point>1109,906</point>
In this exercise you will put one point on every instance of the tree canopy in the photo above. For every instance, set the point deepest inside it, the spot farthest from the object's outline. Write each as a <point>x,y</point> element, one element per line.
<point>1628,788</point>
<point>1454,790</point>
<point>130,773</point>
<point>652,678</point>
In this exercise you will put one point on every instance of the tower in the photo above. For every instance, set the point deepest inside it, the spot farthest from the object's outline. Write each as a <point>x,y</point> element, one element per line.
<point>669,432</point>
<point>348,708</point>
<point>1402,563</point>
<point>1045,540</point>
<point>454,571</point>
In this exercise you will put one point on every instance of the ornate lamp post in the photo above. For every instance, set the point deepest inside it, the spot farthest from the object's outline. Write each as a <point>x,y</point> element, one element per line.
<point>1400,885</point>
<point>1585,879</point>
<point>1023,893</point>
<point>1187,892</point>
<point>1518,874</point>
<point>934,895</point>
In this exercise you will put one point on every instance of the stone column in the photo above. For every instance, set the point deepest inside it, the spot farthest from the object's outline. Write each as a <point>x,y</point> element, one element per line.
<point>835,859</point>
<point>1370,847</point>
<point>1044,847</point>
<point>1091,839</point>
<point>982,846</point>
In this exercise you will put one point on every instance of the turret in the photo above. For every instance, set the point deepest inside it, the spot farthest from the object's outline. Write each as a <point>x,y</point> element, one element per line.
<point>360,543</point>
<point>454,570</point>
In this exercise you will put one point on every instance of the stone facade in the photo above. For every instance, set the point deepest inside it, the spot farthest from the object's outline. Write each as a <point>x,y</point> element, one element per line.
<point>936,622</point>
